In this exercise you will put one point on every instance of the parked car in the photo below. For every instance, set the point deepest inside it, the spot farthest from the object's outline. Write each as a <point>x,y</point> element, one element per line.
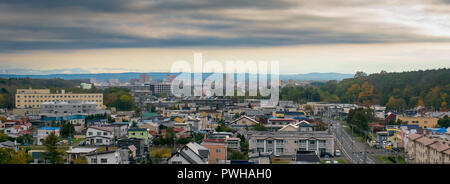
<point>328,162</point>
<point>326,155</point>
<point>335,162</point>
<point>337,153</point>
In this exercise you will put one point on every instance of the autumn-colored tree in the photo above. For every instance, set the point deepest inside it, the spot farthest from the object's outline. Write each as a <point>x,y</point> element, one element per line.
<point>366,92</point>
<point>20,157</point>
<point>353,92</point>
<point>80,160</point>
<point>420,103</point>
<point>3,118</point>
<point>396,104</point>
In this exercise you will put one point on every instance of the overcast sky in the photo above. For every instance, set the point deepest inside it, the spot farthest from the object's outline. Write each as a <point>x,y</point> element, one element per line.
<point>92,36</point>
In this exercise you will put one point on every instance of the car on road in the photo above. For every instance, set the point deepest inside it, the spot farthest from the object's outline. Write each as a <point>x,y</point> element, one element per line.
<point>337,153</point>
<point>327,161</point>
<point>335,162</point>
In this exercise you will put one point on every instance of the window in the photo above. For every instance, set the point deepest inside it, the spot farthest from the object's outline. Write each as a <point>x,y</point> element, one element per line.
<point>142,133</point>
<point>177,162</point>
<point>98,141</point>
<point>280,150</point>
<point>93,160</point>
<point>105,133</point>
<point>104,160</point>
<point>217,150</point>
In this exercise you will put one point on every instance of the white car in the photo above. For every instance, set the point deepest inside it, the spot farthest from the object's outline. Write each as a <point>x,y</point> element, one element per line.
<point>337,153</point>
<point>328,162</point>
<point>335,162</point>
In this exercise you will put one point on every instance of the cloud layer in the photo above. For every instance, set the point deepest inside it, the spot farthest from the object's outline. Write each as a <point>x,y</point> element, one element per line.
<point>66,24</point>
<point>82,36</point>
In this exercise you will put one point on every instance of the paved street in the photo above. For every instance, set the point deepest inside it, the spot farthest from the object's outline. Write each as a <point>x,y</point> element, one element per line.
<point>351,148</point>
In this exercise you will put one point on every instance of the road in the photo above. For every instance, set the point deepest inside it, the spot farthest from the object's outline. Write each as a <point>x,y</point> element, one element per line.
<point>354,150</point>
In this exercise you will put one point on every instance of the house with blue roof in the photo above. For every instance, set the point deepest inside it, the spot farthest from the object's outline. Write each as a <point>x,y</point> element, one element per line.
<point>43,132</point>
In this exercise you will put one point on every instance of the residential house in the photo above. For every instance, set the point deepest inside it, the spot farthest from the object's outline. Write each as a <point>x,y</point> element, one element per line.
<point>76,153</point>
<point>139,133</point>
<point>191,153</point>
<point>244,121</point>
<point>217,150</point>
<point>99,136</point>
<point>43,132</point>
<point>105,157</point>
<point>141,150</point>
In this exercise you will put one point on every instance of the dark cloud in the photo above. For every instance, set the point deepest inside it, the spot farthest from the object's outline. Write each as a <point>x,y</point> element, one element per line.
<point>81,24</point>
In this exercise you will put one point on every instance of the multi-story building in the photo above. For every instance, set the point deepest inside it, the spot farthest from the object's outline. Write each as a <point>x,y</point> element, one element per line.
<point>289,142</point>
<point>161,88</point>
<point>69,107</point>
<point>423,122</point>
<point>423,149</point>
<point>33,98</point>
<point>217,151</point>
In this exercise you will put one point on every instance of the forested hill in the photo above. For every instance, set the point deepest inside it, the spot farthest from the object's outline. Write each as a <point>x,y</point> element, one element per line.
<point>428,88</point>
<point>398,91</point>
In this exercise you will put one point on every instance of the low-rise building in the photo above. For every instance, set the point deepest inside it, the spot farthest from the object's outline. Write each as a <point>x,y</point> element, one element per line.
<point>104,157</point>
<point>76,153</point>
<point>99,136</point>
<point>43,132</point>
<point>191,153</point>
<point>423,122</point>
<point>289,142</point>
<point>139,133</point>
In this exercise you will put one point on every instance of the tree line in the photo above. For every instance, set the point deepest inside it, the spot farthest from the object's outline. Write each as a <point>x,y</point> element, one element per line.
<point>397,91</point>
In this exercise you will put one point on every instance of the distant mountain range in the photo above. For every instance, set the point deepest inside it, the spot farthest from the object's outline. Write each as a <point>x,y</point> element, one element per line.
<point>162,76</point>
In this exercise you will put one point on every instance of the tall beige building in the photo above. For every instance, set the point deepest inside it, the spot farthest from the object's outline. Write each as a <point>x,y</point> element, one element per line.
<point>33,98</point>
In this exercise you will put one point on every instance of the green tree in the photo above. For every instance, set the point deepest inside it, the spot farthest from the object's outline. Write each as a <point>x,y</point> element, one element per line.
<point>20,157</point>
<point>67,129</point>
<point>134,124</point>
<point>444,122</point>
<point>26,138</point>
<point>9,156</point>
<point>237,155</point>
<point>126,102</point>
<point>259,127</point>
<point>3,137</point>
<point>51,146</point>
